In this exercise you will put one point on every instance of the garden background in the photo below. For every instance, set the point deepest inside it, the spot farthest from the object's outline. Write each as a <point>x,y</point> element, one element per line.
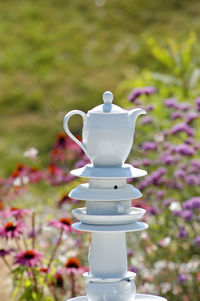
<point>59,55</point>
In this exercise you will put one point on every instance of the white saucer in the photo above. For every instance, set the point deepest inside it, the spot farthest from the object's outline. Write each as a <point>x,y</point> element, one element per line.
<point>137,226</point>
<point>133,216</point>
<point>138,297</point>
<point>84,192</point>
<point>128,275</point>
<point>126,171</point>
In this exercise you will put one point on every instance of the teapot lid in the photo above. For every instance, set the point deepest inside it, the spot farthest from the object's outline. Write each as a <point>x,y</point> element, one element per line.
<point>107,107</point>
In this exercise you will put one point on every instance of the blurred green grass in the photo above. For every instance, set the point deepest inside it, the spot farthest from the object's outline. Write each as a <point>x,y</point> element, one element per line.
<point>59,55</point>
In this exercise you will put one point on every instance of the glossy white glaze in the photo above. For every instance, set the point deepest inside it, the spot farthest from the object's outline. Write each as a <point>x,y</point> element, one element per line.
<point>108,132</point>
<point>138,297</point>
<point>123,217</point>
<point>124,171</point>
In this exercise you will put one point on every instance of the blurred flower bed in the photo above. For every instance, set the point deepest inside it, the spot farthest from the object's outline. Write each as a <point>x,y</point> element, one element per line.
<point>45,257</point>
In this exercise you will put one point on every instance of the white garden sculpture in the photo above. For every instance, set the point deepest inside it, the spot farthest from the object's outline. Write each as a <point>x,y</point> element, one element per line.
<point>108,133</point>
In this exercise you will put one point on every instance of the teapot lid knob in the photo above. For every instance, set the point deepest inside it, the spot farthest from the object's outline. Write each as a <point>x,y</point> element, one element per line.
<point>107,97</point>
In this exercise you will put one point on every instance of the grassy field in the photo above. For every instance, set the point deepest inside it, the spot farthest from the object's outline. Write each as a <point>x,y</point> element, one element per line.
<point>59,55</point>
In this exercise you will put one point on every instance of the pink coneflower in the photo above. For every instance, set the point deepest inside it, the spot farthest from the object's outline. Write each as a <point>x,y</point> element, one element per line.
<point>65,199</point>
<point>4,252</point>
<point>16,212</point>
<point>12,229</point>
<point>63,223</point>
<point>58,280</point>
<point>73,266</point>
<point>29,258</point>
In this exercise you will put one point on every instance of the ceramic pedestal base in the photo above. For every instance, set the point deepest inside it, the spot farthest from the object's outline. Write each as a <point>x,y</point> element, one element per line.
<point>138,297</point>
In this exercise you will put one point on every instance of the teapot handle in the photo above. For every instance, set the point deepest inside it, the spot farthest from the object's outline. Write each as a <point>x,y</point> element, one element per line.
<point>67,130</point>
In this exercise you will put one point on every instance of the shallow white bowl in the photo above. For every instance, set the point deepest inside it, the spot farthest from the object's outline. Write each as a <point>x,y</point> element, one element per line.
<point>133,216</point>
<point>126,171</point>
<point>84,192</point>
<point>137,226</point>
<point>138,297</point>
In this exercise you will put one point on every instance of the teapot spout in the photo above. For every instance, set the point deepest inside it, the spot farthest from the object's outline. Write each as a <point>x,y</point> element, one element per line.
<point>135,113</point>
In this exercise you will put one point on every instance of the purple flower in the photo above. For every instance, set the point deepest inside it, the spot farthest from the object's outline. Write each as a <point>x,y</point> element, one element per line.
<point>149,146</point>
<point>198,104</point>
<point>176,115</point>
<point>155,177</point>
<point>182,232</point>
<point>130,253</point>
<point>179,173</point>
<point>192,179</point>
<point>167,202</point>
<point>182,278</point>
<point>148,108</point>
<point>137,92</point>
<point>197,241</point>
<point>146,120</point>
<point>160,194</point>
<point>168,159</point>
<point>195,165</point>
<point>189,140</point>
<point>182,127</point>
<point>146,162</point>
<point>193,203</point>
<point>153,210</point>
<point>191,116</point>
<point>133,269</point>
<point>184,106</point>
<point>184,149</point>
<point>187,215</point>
<point>171,103</point>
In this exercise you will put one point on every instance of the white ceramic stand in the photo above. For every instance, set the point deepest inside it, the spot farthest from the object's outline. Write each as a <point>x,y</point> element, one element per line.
<point>108,215</point>
<point>107,138</point>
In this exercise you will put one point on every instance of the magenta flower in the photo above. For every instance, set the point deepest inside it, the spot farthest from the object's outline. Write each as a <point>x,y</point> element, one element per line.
<point>149,146</point>
<point>28,258</point>
<point>182,278</point>
<point>197,241</point>
<point>4,252</point>
<point>12,229</point>
<point>198,104</point>
<point>176,115</point>
<point>171,103</point>
<point>16,212</point>
<point>184,149</point>
<point>63,223</point>
<point>182,232</point>
<point>137,92</point>
<point>193,203</point>
<point>146,120</point>
<point>182,127</point>
<point>183,106</point>
<point>191,116</point>
<point>73,266</point>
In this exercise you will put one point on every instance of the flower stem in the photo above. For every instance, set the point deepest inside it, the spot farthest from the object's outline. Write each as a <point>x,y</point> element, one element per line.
<point>73,294</point>
<point>35,281</point>
<point>7,264</point>
<point>24,240</point>
<point>54,252</point>
<point>17,244</point>
<point>33,230</point>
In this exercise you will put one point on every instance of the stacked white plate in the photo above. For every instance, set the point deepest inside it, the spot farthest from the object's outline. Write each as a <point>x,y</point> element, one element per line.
<point>84,192</point>
<point>119,219</point>
<point>126,171</point>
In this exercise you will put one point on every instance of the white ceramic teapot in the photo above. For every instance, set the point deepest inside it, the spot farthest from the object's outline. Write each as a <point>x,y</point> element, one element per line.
<point>108,132</point>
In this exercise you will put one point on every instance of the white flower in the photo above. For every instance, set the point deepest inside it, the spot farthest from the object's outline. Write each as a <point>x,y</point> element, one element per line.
<point>175,206</point>
<point>19,181</point>
<point>31,153</point>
